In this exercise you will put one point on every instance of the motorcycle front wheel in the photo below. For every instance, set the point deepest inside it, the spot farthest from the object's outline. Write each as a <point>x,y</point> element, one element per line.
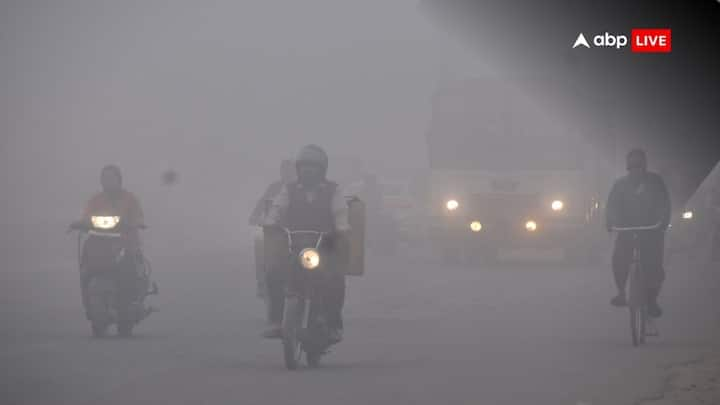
<point>292,319</point>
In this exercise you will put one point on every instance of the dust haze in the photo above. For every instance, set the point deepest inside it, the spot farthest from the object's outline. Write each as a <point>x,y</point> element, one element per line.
<point>219,92</point>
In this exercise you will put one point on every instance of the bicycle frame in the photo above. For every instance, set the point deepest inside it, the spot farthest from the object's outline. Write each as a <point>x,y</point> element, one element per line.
<point>637,300</point>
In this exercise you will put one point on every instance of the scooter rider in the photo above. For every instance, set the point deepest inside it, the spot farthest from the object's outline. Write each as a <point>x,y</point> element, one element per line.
<point>639,199</point>
<point>115,200</point>
<point>310,203</point>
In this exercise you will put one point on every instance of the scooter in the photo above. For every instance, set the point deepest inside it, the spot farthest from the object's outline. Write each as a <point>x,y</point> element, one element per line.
<point>115,284</point>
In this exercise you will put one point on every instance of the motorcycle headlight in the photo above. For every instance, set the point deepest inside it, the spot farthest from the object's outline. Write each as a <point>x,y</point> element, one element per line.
<point>103,222</point>
<point>687,215</point>
<point>309,259</point>
<point>452,205</point>
<point>476,226</point>
<point>557,205</point>
<point>531,226</point>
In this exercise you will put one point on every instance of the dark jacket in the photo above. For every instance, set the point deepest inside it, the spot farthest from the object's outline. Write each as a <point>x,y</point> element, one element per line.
<point>640,201</point>
<point>312,215</point>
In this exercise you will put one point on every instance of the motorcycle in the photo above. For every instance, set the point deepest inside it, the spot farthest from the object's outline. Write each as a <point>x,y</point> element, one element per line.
<point>304,327</point>
<point>115,284</point>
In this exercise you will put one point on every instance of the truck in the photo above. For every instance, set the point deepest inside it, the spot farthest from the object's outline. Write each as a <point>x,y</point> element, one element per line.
<point>505,176</point>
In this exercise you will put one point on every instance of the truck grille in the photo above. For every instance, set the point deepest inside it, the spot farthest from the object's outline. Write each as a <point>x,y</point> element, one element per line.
<point>494,207</point>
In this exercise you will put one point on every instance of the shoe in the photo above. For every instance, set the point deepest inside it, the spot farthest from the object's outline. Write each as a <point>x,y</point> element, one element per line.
<point>654,310</point>
<point>273,332</point>
<point>335,336</point>
<point>619,301</point>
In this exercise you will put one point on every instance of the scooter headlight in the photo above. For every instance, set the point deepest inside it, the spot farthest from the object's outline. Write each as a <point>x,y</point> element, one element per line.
<point>103,222</point>
<point>476,226</point>
<point>309,259</point>
<point>557,205</point>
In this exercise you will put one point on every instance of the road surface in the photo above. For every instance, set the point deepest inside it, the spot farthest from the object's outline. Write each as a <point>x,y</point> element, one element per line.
<point>418,332</point>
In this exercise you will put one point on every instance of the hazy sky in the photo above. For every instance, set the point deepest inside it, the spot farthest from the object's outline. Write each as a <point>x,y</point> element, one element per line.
<point>211,87</point>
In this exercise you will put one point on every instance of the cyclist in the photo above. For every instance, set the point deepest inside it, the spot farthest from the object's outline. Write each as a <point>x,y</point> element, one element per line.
<point>640,198</point>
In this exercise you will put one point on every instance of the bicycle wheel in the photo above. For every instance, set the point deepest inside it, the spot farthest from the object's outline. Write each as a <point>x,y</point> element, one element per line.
<point>637,325</point>
<point>637,304</point>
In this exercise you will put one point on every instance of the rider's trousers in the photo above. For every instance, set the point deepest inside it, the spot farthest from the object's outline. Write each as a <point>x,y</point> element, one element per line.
<point>651,247</point>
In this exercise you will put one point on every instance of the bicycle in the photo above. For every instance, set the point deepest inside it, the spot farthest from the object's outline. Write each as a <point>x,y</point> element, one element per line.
<point>637,289</point>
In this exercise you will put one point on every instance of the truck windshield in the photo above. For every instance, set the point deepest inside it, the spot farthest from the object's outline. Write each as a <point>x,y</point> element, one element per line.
<point>504,153</point>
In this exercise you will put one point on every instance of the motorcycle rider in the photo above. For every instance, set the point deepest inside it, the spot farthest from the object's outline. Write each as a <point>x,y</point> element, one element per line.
<point>257,217</point>
<point>115,200</point>
<point>639,199</point>
<point>310,203</point>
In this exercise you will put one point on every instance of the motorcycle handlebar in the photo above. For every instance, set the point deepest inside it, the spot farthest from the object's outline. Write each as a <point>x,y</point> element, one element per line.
<point>322,236</point>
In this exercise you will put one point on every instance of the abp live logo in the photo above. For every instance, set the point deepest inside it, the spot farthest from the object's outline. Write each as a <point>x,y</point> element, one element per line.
<point>642,40</point>
<point>651,40</point>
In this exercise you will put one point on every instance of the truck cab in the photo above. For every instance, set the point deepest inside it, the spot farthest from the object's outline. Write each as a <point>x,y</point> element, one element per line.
<point>503,176</point>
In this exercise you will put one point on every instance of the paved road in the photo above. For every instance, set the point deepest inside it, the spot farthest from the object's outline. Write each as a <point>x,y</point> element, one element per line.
<point>418,332</point>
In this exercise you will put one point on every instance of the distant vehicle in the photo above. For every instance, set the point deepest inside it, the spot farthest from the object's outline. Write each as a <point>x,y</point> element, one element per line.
<point>685,233</point>
<point>503,176</point>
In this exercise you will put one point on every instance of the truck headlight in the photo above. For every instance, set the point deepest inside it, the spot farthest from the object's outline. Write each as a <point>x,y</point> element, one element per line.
<point>531,226</point>
<point>687,215</point>
<point>309,259</point>
<point>452,205</point>
<point>475,226</point>
<point>557,205</point>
